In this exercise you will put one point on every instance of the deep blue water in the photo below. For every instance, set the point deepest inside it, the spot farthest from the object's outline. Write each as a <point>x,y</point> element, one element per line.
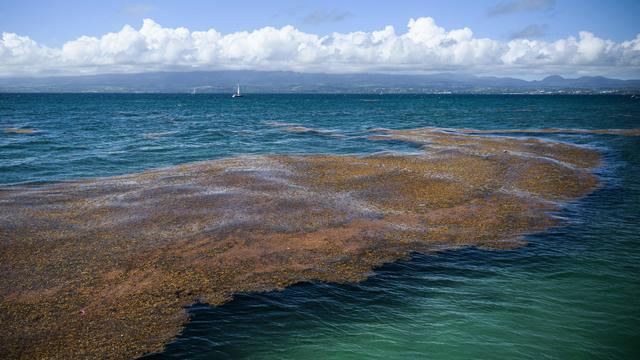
<point>572,293</point>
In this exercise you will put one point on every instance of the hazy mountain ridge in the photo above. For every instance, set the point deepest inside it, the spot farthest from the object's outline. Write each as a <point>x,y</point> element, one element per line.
<point>292,82</point>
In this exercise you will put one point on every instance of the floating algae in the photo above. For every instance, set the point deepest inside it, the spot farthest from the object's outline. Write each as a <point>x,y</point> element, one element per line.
<point>11,130</point>
<point>296,129</point>
<point>104,267</point>
<point>621,132</point>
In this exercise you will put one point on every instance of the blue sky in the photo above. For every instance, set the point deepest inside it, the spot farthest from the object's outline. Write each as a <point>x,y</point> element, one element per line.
<point>525,38</point>
<point>54,22</point>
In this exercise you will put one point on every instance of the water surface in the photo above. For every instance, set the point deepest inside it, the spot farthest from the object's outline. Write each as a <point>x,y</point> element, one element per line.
<point>571,293</point>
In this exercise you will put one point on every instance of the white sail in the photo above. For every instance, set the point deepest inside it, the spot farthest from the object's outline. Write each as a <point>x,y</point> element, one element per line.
<point>237,94</point>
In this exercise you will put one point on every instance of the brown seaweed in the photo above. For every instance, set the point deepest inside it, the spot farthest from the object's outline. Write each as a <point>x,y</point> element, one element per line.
<point>12,130</point>
<point>103,268</point>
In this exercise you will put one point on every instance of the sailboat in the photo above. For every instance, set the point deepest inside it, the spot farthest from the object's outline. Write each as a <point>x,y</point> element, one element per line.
<point>237,94</point>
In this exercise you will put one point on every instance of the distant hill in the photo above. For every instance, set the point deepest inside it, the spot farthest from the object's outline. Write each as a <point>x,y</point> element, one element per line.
<point>291,82</point>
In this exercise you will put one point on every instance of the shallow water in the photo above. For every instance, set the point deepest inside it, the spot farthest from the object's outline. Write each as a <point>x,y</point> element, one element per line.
<point>571,293</point>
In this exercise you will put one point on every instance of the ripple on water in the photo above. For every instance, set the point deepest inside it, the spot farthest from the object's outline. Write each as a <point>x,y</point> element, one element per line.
<point>569,294</point>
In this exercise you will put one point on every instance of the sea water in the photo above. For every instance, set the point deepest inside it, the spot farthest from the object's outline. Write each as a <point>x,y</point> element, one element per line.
<point>572,293</point>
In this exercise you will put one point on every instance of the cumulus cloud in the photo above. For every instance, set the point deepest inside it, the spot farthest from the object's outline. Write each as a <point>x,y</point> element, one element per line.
<point>424,47</point>
<point>517,6</point>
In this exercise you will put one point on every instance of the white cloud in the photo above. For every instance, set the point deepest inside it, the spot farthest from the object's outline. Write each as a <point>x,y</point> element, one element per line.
<point>425,47</point>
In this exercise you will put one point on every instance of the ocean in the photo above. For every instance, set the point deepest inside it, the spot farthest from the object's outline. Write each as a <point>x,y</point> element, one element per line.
<point>571,293</point>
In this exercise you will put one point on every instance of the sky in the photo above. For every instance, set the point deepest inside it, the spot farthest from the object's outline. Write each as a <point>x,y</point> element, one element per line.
<point>521,38</point>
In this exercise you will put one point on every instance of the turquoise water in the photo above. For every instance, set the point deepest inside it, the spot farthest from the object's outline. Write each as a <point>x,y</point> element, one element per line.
<point>572,293</point>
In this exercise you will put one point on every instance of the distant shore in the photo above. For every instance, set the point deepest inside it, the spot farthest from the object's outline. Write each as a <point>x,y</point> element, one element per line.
<point>287,82</point>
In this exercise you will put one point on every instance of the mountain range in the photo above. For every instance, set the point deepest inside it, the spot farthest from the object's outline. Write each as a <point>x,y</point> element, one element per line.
<point>292,82</point>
